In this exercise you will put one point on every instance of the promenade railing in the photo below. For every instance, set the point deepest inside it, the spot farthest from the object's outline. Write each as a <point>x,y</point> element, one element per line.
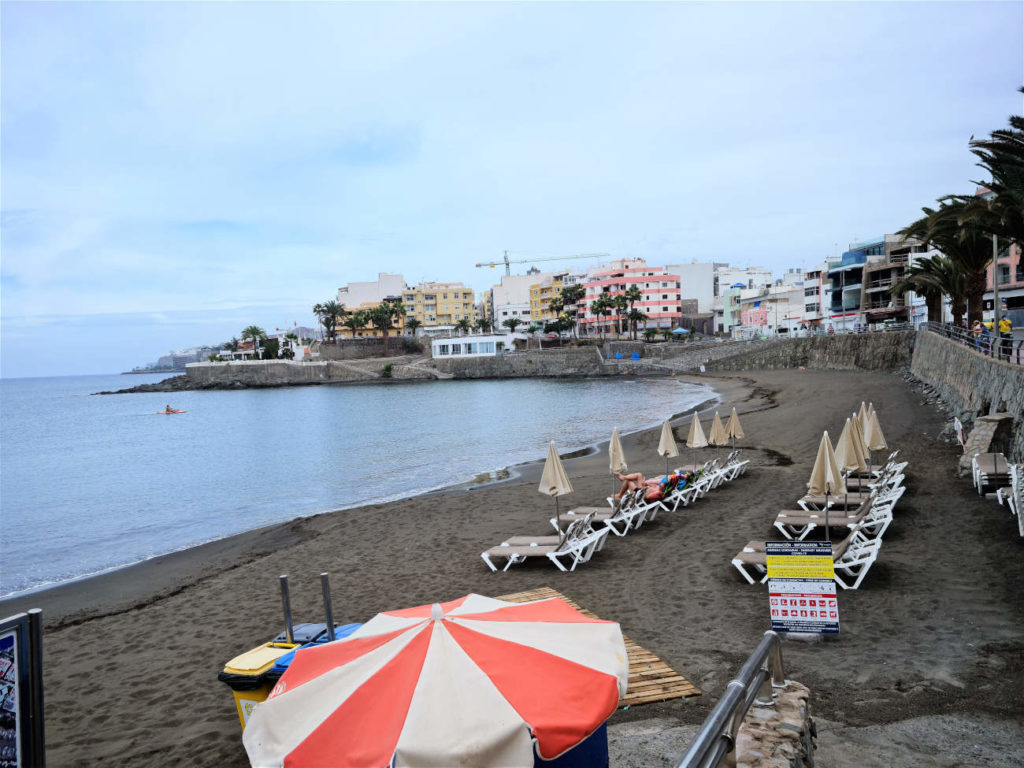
<point>756,681</point>
<point>1006,347</point>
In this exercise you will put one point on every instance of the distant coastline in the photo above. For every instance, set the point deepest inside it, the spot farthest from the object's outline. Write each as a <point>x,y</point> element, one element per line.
<point>154,370</point>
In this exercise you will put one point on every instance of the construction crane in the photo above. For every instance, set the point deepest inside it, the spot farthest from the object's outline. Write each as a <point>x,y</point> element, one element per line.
<point>507,262</point>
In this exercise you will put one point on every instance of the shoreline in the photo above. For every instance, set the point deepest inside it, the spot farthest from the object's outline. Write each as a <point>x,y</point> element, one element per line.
<point>140,583</point>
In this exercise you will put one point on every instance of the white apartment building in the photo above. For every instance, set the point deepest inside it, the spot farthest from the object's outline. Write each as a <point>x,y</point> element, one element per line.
<point>741,277</point>
<point>386,286</point>
<point>696,281</point>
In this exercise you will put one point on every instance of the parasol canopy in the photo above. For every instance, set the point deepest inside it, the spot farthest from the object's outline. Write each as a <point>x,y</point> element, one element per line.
<point>616,457</point>
<point>554,481</point>
<point>696,437</point>
<point>667,443</point>
<point>826,478</point>
<point>717,435</point>
<point>733,428</point>
<point>873,434</point>
<point>475,681</point>
<point>848,453</point>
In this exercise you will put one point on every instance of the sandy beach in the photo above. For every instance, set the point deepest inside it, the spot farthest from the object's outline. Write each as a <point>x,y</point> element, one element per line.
<point>936,630</point>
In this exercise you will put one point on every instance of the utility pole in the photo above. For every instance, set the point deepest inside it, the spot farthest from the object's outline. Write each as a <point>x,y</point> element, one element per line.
<point>995,297</point>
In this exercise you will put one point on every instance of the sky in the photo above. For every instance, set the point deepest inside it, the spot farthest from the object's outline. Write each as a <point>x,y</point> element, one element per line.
<point>173,172</point>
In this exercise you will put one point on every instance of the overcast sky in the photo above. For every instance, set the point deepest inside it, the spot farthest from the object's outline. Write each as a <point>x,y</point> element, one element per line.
<point>173,172</point>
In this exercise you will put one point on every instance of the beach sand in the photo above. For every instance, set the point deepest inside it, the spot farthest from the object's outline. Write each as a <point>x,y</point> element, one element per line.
<point>936,629</point>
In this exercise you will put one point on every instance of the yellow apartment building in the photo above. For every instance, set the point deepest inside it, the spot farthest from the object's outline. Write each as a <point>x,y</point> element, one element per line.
<point>541,295</point>
<point>436,304</point>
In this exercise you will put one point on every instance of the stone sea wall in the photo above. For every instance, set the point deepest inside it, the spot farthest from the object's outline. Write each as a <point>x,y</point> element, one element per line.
<point>566,362</point>
<point>283,373</point>
<point>972,384</point>
<point>846,352</point>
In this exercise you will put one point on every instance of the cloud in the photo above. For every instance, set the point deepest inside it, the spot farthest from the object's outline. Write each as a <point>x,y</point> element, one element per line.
<point>166,157</point>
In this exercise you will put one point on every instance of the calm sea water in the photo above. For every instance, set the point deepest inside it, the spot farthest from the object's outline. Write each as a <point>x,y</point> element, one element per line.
<point>92,483</point>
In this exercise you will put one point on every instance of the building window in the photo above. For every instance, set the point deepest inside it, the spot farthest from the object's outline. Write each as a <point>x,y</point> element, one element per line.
<point>443,349</point>
<point>456,349</point>
<point>1004,274</point>
<point>811,291</point>
<point>810,308</point>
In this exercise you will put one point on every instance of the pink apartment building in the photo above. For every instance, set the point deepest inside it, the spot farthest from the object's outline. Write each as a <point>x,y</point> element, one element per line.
<point>661,295</point>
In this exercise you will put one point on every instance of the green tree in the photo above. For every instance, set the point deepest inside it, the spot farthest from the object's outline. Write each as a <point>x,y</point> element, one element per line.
<point>532,328</point>
<point>512,323</point>
<point>383,317</point>
<point>666,334</point>
<point>650,333</point>
<point>255,334</point>
<point>464,325</point>
<point>271,348</point>
<point>635,316</point>
<point>328,313</point>
<point>952,231</point>
<point>633,295</point>
<point>412,324</point>
<point>484,325</point>
<point>571,297</point>
<point>619,303</point>
<point>601,307</point>
<point>933,278</point>
<point>355,322</point>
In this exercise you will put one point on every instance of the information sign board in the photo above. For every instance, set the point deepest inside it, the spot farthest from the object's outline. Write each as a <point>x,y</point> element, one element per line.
<point>801,587</point>
<point>11,733</point>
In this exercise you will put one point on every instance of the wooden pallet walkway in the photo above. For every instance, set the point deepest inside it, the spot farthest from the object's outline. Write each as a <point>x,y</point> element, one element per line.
<point>650,678</point>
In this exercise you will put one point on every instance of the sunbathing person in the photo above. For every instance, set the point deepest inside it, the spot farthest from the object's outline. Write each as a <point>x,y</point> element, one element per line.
<point>657,487</point>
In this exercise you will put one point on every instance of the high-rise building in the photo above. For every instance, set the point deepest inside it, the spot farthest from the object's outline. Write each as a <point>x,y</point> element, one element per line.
<point>659,288</point>
<point>440,304</point>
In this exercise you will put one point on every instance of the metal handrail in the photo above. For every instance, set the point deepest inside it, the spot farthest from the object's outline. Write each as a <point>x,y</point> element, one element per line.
<point>990,345</point>
<point>756,680</point>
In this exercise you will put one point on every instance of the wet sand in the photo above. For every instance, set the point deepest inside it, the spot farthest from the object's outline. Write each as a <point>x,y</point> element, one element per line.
<point>936,630</point>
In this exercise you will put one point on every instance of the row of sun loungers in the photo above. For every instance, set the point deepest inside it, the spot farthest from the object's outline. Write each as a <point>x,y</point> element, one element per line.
<point>864,515</point>
<point>993,471</point>
<point>588,527</point>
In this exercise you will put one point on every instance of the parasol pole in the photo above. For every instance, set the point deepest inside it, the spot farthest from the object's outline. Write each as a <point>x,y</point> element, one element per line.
<point>826,515</point>
<point>558,518</point>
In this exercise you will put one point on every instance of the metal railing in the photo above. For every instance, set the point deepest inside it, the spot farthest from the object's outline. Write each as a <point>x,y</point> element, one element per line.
<point>756,681</point>
<point>1006,347</point>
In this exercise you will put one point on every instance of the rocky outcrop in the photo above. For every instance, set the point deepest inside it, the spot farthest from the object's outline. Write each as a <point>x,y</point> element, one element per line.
<point>779,736</point>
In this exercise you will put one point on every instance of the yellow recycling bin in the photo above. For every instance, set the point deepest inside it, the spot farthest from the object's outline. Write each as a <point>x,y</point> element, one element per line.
<point>246,675</point>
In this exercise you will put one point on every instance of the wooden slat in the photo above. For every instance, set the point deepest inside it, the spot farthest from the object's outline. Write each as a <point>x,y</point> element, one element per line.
<point>650,678</point>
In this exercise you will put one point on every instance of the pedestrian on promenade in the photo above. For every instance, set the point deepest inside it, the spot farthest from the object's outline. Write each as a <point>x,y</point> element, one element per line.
<point>976,330</point>
<point>1005,337</point>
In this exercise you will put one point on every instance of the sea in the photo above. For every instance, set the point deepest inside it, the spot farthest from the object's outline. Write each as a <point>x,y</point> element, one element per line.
<point>92,483</point>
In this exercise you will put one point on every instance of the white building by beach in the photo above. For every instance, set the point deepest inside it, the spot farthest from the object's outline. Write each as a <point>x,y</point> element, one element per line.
<point>696,281</point>
<point>484,345</point>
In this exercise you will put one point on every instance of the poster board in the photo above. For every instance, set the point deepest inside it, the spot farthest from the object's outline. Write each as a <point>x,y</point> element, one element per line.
<point>802,587</point>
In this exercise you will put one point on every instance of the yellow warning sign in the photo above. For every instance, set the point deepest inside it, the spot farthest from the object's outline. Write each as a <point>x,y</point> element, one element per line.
<point>801,567</point>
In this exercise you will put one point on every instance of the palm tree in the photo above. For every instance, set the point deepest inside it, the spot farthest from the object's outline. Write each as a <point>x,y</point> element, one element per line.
<point>533,328</point>
<point>354,322</point>
<point>650,333</point>
<point>484,325</point>
<point>601,307</point>
<point>412,324</point>
<point>1002,155</point>
<point>383,317</point>
<point>934,278</point>
<point>633,294</point>
<point>254,334</point>
<point>635,316</point>
<point>328,313</point>
<point>464,325</point>
<point>619,303</point>
<point>949,229</point>
<point>571,296</point>
<point>512,323</point>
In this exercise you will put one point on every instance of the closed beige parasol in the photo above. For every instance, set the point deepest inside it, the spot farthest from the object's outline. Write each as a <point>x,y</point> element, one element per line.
<point>826,479</point>
<point>553,480</point>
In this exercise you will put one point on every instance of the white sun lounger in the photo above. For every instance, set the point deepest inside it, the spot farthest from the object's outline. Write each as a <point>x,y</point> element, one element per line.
<point>852,558</point>
<point>576,546</point>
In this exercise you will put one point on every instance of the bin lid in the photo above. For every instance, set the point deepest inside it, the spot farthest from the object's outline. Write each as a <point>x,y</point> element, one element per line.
<point>303,633</point>
<point>258,660</point>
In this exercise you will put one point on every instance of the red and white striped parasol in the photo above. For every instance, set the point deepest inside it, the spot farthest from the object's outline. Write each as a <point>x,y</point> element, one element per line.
<point>475,681</point>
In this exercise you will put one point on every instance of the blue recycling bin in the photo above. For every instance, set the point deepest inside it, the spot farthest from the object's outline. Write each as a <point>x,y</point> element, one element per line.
<point>281,665</point>
<point>592,752</point>
<point>636,355</point>
<point>618,355</point>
